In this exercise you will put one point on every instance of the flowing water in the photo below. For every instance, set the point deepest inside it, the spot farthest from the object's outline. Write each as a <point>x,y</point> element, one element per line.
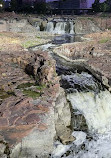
<point>91,105</point>
<point>92,101</point>
<point>58,27</point>
<point>91,114</point>
<point>64,31</point>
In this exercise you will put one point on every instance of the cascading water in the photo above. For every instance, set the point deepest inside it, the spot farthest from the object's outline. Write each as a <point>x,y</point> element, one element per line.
<point>50,27</point>
<point>91,104</point>
<point>95,108</point>
<point>89,99</point>
<point>71,28</point>
<point>60,27</point>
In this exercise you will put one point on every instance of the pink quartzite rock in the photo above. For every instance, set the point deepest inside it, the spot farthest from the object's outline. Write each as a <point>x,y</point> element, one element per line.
<point>20,113</point>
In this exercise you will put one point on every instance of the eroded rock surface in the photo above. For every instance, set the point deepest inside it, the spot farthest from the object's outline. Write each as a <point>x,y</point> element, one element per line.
<point>93,54</point>
<point>29,88</point>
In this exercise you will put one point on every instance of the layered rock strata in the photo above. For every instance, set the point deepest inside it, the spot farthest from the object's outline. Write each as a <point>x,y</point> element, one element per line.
<point>31,104</point>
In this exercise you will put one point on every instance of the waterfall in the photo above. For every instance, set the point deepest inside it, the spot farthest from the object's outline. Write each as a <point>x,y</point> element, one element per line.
<point>50,27</point>
<point>60,27</point>
<point>91,100</point>
<point>95,106</point>
<point>71,28</point>
<point>96,109</point>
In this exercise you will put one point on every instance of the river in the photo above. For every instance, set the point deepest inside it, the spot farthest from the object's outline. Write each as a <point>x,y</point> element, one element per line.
<point>90,103</point>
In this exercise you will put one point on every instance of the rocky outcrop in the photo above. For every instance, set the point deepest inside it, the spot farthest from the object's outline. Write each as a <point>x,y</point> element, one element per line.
<point>63,118</point>
<point>103,22</point>
<point>85,26</point>
<point>93,55</point>
<point>16,25</point>
<point>30,95</point>
<point>32,25</point>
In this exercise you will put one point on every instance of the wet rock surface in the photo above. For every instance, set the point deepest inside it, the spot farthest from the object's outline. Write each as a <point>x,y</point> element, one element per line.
<point>77,82</point>
<point>93,55</point>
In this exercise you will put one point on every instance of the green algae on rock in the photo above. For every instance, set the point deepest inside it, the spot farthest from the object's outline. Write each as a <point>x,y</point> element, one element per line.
<point>4,94</point>
<point>25,85</point>
<point>31,93</point>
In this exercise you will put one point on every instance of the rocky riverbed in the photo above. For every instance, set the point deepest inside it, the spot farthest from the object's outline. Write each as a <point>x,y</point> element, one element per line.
<point>34,111</point>
<point>29,93</point>
<point>92,54</point>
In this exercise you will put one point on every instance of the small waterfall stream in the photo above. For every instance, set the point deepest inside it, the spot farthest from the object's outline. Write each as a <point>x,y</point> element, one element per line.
<point>91,108</point>
<point>59,27</point>
<point>92,101</point>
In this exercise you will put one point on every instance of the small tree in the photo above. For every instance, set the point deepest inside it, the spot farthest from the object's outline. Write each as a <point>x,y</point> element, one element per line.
<point>109,4</point>
<point>104,7</point>
<point>40,7</point>
<point>13,5</point>
<point>1,5</point>
<point>96,6</point>
<point>1,2</point>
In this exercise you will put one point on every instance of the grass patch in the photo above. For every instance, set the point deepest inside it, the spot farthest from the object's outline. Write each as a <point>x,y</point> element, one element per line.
<point>104,40</point>
<point>4,95</point>
<point>41,87</point>
<point>89,18</point>
<point>28,44</point>
<point>1,34</point>
<point>25,85</point>
<point>109,28</point>
<point>104,15</point>
<point>28,84</point>
<point>31,93</point>
<point>38,37</point>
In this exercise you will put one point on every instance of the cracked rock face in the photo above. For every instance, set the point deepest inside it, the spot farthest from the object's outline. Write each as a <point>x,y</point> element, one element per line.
<point>63,118</point>
<point>29,94</point>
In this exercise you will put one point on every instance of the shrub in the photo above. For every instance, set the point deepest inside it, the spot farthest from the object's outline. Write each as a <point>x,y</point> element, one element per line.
<point>41,7</point>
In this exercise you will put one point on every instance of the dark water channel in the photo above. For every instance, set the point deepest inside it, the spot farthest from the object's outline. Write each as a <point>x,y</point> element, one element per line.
<point>67,38</point>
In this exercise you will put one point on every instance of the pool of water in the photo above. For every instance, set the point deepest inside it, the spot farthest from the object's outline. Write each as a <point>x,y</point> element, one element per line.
<point>66,38</point>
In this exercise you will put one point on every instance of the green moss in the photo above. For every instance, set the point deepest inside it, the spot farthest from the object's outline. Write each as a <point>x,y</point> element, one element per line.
<point>1,34</point>
<point>38,37</point>
<point>31,93</point>
<point>109,28</point>
<point>28,84</point>
<point>89,18</point>
<point>41,87</point>
<point>104,15</point>
<point>55,74</point>
<point>4,95</point>
<point>28,90</point>
<point>104,40</point>
<point>25,85</point>
<point>28,44</point>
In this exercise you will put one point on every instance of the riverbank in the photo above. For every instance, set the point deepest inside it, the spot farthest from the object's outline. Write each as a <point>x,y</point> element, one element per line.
<point>34,111</point>
<point>33,106</point>
<point>93,54</point>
